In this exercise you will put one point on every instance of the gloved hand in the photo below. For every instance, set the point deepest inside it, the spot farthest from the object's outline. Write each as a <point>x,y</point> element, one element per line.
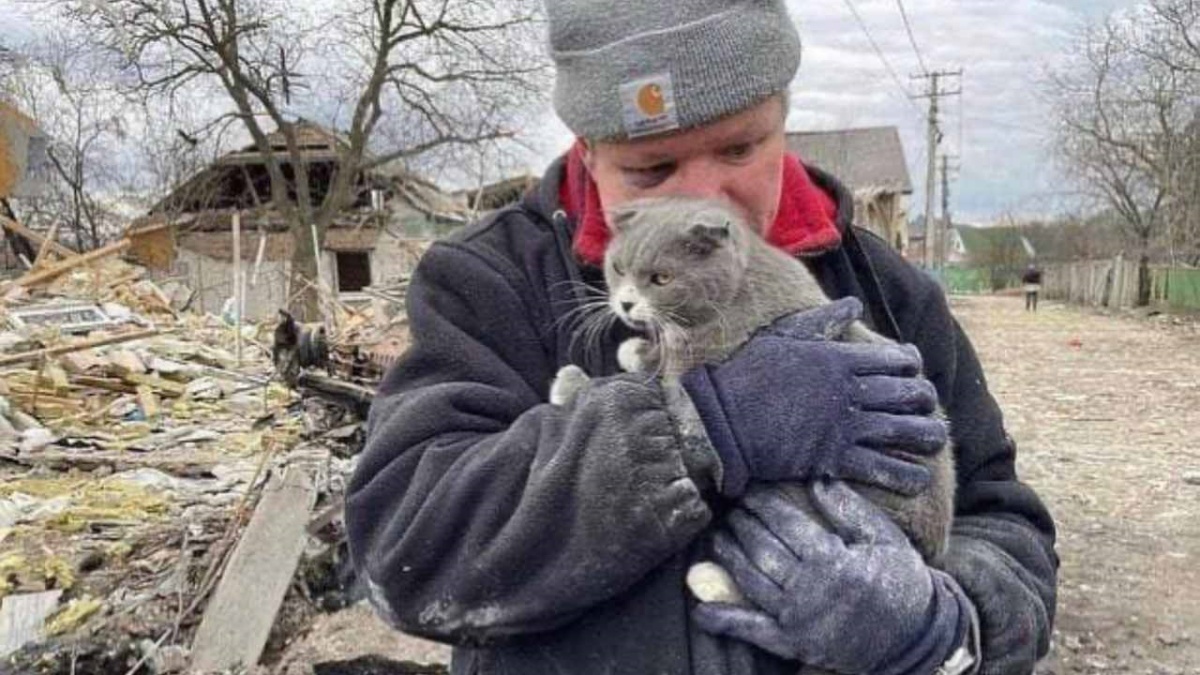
<point>858,599</point>
<point>792,404</point>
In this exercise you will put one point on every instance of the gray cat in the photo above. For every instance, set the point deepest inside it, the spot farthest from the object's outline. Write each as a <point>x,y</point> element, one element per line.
<point>698,281</point>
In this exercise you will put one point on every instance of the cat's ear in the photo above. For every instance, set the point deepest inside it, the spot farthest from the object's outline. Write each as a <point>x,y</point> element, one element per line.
<point>621,218</point>
<point>704,238</point>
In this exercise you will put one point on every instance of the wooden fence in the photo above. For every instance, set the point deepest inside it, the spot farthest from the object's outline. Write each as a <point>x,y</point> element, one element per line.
<point>1096,283</point>
<point>1114,283</point>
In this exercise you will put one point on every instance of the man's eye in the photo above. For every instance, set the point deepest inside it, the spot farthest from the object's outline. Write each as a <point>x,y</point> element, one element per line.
<point>739,151</point>
<point>649,176</point>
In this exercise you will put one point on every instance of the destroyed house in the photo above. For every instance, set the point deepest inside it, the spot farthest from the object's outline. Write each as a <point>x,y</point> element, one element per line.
<point>376,241</point>
<point>870,162</point>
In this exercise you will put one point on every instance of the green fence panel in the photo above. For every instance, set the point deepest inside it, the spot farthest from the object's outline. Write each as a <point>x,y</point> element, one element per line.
<point>961,280</point>
<point>1179,287</point>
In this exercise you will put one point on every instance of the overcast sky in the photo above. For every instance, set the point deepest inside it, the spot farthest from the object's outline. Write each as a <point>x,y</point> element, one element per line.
<point>996,129</point>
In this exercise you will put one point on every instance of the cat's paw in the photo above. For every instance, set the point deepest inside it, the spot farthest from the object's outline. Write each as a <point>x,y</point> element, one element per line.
<point>709,582</point>
<point>635,355</point>
<point>569,380</point>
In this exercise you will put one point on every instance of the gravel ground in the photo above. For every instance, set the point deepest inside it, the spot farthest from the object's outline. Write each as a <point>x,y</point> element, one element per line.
<point>1106,414</point>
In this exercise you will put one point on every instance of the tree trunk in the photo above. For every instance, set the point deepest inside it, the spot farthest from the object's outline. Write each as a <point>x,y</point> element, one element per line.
<point>1143,296</point>
<point>305,300</point>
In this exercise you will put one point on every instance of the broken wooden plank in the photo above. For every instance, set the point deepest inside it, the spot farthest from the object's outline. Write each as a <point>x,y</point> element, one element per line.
<point>23,357</point>
<point>105,383</point>
<point>57,269</point>
<point>234,631</point>
<point>122,362</point>
<point>33,237</point>
<point>51,238</point>
<point>168,388</point>
<point>23,617</point>
<point>184,467</point>
<point>148,401</point>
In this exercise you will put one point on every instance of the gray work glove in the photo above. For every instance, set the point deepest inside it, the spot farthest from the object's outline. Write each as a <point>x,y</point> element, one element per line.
<point>857,599</point>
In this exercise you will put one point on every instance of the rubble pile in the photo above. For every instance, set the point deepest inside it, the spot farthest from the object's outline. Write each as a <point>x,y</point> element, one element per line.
<point>137,443</point>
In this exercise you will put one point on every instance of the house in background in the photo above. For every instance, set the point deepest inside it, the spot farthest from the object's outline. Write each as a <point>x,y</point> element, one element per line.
<point>24,161</point>
<point>497,195</point>
<point>376,241</point>
<point>984,259</point>
<point>999,246</point>
<point>871,163</point>
<point>24,171</point>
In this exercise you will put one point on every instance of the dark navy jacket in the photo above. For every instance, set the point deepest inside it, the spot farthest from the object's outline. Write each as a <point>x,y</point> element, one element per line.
<point>546,539</point>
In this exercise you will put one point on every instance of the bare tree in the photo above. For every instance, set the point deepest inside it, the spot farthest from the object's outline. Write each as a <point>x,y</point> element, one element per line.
<point>63,84</point>
<point>1175,25</point>
<point>1120,116</point>
<point>402,78</point>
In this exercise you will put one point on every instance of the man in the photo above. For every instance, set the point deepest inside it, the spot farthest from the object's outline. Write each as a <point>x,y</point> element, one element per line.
<point>548,539</point>
<point>1032,279</point>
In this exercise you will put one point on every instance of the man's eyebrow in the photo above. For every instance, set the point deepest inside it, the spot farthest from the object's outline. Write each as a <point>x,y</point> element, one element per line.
<point>652,160</point>
<point>744,135</point>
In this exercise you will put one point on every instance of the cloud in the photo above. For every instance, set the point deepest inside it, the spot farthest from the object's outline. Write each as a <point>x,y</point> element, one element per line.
<point>997,129</point>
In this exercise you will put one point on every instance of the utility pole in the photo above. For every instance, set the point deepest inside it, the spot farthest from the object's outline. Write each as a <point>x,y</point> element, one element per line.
<point>933,240</point>
<point>946,222</point>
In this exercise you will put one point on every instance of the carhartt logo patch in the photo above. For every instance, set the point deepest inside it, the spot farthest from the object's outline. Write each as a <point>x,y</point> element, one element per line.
<point>649,105</point>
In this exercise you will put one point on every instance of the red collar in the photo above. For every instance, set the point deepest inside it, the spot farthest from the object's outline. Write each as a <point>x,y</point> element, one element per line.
<point>806,222</point>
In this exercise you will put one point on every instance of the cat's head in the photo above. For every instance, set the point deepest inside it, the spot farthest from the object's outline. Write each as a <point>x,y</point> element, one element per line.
<point>674,260</point>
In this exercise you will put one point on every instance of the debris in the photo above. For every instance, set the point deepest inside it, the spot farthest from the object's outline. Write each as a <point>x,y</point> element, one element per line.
<point>378,665</point>
<point>73,615</point>
<point>35,238</point>
<point>67,318</point>
<point>25,357</point>
<point>22,617</point>
<point>51,271</point>
<point>234,631</point>
<point>134,448</point>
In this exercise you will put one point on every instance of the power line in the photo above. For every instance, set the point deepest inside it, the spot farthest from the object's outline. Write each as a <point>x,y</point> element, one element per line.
<point>883,59</point>
<point>911,40</point>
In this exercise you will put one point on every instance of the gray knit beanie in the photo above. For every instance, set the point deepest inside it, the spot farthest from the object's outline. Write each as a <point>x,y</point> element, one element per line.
<point>629,68</point>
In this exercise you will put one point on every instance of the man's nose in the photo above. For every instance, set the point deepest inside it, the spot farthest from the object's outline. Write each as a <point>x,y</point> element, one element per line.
<point>702,178</point>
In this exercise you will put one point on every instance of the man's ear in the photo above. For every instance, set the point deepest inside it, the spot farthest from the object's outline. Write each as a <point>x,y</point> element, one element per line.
<point>704,238</point>
<point>587,152</point>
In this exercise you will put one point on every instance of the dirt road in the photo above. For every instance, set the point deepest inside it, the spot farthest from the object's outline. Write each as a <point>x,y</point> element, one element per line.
<point>1106,414</point>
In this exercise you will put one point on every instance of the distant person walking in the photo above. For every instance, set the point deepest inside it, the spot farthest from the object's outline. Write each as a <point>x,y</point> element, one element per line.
<point>1033,283</point>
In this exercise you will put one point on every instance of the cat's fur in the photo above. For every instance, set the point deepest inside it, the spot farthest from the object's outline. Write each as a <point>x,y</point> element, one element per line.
<point>699,282</point>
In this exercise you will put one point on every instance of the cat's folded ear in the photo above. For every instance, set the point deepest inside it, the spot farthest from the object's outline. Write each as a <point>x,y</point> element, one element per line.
<point>704,238</point>
<point>620,218</point>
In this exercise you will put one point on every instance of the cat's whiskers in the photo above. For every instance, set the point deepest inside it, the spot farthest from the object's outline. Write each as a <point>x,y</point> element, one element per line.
<point>577,313</point>
<point>589,332</point>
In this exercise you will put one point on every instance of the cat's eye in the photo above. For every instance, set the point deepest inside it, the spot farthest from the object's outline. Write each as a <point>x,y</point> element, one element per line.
<point>661,278</point>
<point>617,269</point>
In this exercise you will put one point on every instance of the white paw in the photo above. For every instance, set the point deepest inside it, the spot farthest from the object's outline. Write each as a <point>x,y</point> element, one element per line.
<point>631,355</point>
<point>567,383</point>
<point>709,582</point>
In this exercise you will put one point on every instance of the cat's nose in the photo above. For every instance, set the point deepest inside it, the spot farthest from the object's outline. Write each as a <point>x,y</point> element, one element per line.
<point>626,305</point>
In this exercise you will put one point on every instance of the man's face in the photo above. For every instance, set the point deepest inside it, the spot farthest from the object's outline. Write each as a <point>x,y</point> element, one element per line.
<point>739,159</point>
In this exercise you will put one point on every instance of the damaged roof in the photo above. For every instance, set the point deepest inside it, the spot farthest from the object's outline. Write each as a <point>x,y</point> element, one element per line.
<point>866,160</point>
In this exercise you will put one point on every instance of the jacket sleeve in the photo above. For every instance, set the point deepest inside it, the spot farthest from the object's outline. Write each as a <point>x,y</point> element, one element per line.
<point>478,511</point>
<point>1002,542</point>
